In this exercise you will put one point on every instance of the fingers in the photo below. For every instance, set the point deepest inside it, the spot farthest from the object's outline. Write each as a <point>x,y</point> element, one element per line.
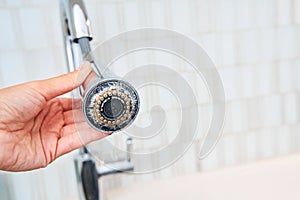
<point>89,79</point>
<point>73,116</point>
<point>57,86</point>
<point>75,136</point>
<point>69,104</point>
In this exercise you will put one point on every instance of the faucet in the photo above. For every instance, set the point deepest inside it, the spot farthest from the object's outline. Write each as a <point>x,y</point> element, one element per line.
<point>88,172</point>
<point>109,104</point>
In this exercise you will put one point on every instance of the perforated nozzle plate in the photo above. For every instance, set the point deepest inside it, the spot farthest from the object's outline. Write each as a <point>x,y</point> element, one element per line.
<point>110,105</point>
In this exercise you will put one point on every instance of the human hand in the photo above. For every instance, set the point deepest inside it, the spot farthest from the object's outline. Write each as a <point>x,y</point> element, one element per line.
<point>36,126</point>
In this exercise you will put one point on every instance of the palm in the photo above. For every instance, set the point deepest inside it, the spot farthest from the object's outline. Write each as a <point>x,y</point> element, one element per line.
<point>38,127</point>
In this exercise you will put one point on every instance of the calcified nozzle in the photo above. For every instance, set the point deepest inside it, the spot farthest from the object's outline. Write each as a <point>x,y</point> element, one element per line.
<point>110,105</point>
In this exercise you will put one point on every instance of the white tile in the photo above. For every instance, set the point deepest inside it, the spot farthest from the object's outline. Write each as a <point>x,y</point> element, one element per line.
<point>8,36</point>
<point>296,9</point>
<point>132,16</point>
<point>229,49</point>
<point>223,15</point>
<point>211,161</point>
<point>41,2</point>
<point>266,79</point>
<point>18,183</point>
<point>112,24</point>
<point>271,111</point>
<point>295,136</point>
<point>284,141</point>
<point>286,43</point>
<point>285,76</point>
<point>252,146</point>
<point>2,3</point>
<point>13,68</point>
<point>198,86</point>
<point>228,121</point>
<point>255,114</point>
<point>157,16</point>
<point>267,45</point>
<point>291,107</point>
<point>205,115</point>
<point>267,143</point>
<point>264,13</point>
<point>189,161</point>
<point>230,150</point>
<point>59,60</point>
<point>248,47</point>
<point>231,82</point>
<point>40,64</point>
<point>248,81</point>
<point>210,43</point>
<point>203,15</point>
<point>34,27</point>
<point>180,16</point>
<point>244,11</point>
<point>295,72</point>
<point>239,116</point>
<point>15,3</point>
<point>53,28</point>
<point>284,14</point>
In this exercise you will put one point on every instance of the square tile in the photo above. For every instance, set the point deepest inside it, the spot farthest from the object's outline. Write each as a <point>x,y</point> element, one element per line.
<point>132,16</point>
<point>296,11</point>
<point>158,15</point>
<point>248,47</point>
<point>180,16</point>
<point>13,68</point>
<point>248,81</point>
<point>265,15</point>
<point>244,12</point>
<point>15,3</point>
<point>285,70</point>
<point>8,35</point>
<point>34,27</point>
<point>231,81</point>
<point>203,19</point>
<point>266,79</point>
<point>229,49</point>
<point>271,111</point>
<point>112,25</point>
<point>284,12</point>
<point>286,41</point>
<point>267,44</point>
<point>239,113</point>
<point>291,108</point>
<point>222,15</point>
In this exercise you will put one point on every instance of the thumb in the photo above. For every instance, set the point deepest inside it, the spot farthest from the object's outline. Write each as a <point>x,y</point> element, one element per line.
<point>53,87</point>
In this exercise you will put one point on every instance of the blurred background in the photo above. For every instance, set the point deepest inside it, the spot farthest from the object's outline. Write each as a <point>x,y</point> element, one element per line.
<point>254,43</point>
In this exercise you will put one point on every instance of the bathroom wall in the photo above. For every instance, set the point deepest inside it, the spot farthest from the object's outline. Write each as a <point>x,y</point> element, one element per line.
<point>254,43</point>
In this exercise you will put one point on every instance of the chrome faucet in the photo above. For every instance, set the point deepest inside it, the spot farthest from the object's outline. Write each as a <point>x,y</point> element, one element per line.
<point>76,26</point>
<point>113,107</point>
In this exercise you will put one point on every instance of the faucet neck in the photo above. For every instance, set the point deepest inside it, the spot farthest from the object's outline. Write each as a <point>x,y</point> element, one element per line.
<point>76,26</point>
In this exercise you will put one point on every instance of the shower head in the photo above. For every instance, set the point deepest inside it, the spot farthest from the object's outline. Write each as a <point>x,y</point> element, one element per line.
<point>110,104</point>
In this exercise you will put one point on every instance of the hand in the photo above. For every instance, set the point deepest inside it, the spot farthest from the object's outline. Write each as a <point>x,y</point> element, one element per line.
<point>36,126</point>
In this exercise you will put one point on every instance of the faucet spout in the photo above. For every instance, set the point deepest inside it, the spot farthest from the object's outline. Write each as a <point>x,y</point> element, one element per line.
<point>76,21</point>
<point>76,26</point>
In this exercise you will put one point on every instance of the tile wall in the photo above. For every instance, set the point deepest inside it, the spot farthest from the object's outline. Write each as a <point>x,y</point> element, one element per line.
<point>254,43</point>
